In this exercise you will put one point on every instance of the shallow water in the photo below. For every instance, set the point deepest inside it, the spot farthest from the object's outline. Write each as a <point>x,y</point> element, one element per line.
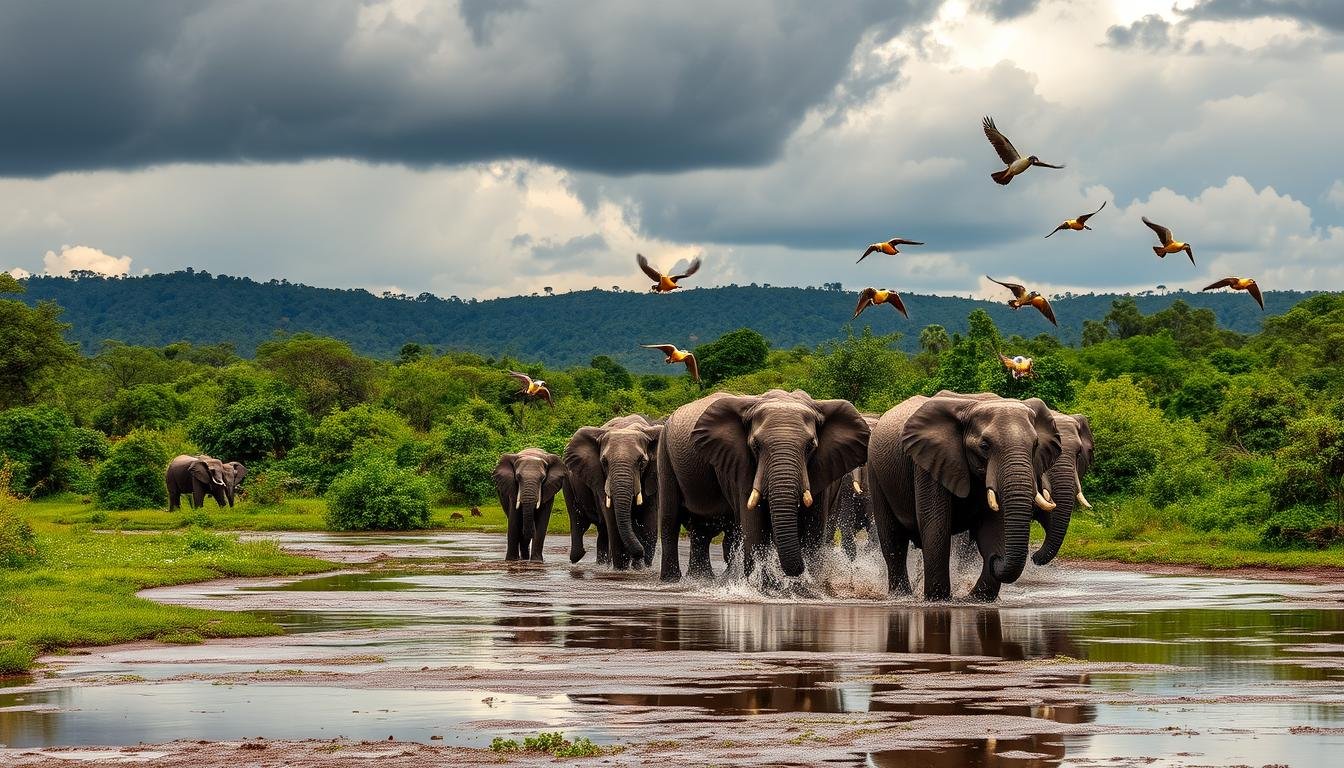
<point>1255,675</point>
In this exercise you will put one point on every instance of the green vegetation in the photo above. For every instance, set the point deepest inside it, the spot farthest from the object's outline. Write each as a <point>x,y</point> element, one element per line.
<point>552,743</point>
<point>378,496</point>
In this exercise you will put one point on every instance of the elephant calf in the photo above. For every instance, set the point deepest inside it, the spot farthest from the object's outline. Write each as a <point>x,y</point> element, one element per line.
<point>613,483</point>
<point>527,482</point>
<point>849,507</point>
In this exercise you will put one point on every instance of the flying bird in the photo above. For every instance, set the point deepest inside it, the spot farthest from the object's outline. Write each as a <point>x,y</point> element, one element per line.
<point>869,297</point>
<point>675,355</point>
<point>889,247</point>
<point>1169,243</point>
<point>1019,366</point>
<point>1017,164</point>
<point>533,389</point>
<point>1240,284</point>
<point>1078,223</point>
<point>663,283</point>
<point>1021,298</point>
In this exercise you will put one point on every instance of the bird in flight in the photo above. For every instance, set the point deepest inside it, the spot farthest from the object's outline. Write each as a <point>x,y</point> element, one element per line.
<point>1169,243</point>
<point>1019,366</point>
<point>1078,223</point>
<point>1240,284</point>
<point>1021,298</point>
<point>1017,164</point>
<point>533,389</point>
<point>675,355</point>
<point>869,297</point>
<point>663,283</point>
<point>889,247</point>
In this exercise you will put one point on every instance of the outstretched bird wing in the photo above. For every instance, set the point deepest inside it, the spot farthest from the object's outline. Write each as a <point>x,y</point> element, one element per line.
<point>1163,234</point>
<point>523,377</point>
<point>693,367</point>
<point>1007,152</point>
<point>1019,291</point>
<point>1254,290</point>
<point>545,394</point>
<point>871,248</point>
<point>1056,229</point>
<point>653,274</point>
<point>1046,310</point>
<point>691,270</point>
<point>666,349</point>
<point>1224,283</point>
<point>1041,164</point>
<point>1083,219</point>
<point>895,241</point>
<point>1191,253</point>
<point>866,297</point>
<point>1007,361</point>
<point>894,300</point>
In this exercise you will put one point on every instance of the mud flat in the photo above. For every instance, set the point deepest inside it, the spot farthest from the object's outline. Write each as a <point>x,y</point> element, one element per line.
<point>435,643</point>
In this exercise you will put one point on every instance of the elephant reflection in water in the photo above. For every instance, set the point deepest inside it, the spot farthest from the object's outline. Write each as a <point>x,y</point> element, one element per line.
<point>791,691</point>
<point>1048,751</point>
<point>529,627</point>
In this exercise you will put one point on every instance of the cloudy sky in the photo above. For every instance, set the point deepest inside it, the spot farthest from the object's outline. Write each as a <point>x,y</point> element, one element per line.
<point>492,148</point>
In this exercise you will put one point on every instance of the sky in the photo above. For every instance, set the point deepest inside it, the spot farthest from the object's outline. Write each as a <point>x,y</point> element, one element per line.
<point>484,149</point>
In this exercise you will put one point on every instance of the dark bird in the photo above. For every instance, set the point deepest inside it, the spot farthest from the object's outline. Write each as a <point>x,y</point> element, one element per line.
<point>675,355</point>
<point>889,247</point>
<point>1021,298</point>
<point>1078,223</point>
<point>1169,243</point>
<point>869,297</point>
<point>533,389</point>
<point>1240,284</point>
<point>663,283</point>
<point>1017,164</point>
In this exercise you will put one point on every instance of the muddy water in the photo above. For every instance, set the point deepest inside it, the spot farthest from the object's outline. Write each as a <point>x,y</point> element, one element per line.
<point>433,636</point>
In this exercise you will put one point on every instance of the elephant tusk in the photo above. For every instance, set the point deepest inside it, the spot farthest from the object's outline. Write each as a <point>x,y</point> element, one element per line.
<point>992,499</point>
<point>807,498</point>
<point>518,500</point>
<point>1083,500</point>
<point>857,488</point>
<point>639,498</point>
<point>753,499</point>
<point>1044,503</point>
<point>608,502</point>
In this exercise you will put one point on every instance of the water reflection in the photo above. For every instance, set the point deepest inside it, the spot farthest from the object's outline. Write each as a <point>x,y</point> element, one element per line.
<point>1031,752</point>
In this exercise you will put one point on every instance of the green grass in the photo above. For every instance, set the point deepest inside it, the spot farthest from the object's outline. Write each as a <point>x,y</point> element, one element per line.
<point>1171,542</point>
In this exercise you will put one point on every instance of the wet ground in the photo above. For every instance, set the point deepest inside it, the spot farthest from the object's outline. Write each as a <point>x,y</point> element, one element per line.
<point>433,639</point>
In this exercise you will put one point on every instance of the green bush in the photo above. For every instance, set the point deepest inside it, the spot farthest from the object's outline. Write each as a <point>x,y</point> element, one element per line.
<point>378,496</point>
<point>132,476</point>
<point>256,428</point>
<point>269,487</point>
<point>18,545</point>
<point>40,442</point>
<point>147,406</point>
<point>16,658</point>
<point>198,540</point>
<point>1299,526</point>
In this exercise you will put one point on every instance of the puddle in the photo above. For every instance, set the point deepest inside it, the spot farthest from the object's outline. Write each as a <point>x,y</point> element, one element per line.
<point>1071,667</point>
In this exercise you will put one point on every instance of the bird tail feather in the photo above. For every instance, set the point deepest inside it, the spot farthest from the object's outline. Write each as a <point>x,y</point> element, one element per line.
<point>1002,177</point>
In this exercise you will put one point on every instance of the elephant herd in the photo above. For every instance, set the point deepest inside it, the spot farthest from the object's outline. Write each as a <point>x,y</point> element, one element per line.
<point>202,476</point>
<point>785,471</point>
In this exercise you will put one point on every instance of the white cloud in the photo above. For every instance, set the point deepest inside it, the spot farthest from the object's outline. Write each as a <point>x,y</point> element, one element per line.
<point>83,257</point>
<point>19,273</point>
<point>1336,194</point>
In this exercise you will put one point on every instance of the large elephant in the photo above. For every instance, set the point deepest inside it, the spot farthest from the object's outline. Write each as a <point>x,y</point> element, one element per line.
<point>941,465</point>
<point>197,475</point>
<point>849,506</point>
<point>749,464</point>
<point>234,472</point>
<point>613,470</point>
<point>527,482</point>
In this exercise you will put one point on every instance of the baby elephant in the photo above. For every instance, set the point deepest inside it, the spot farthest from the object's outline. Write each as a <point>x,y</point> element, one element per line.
<point>527,482</point>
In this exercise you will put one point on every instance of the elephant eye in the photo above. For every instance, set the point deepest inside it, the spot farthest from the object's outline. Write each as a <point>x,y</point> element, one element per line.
<point>984,445</point>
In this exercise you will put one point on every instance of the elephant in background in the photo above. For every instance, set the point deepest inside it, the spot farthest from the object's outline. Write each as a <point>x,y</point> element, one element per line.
<point>234,472</point>
<point>940,465</point>
<point>527,482</point>
<point>197,475</point>
<point>613,473</point>
<point>849,505</point>
<point>746,465</point>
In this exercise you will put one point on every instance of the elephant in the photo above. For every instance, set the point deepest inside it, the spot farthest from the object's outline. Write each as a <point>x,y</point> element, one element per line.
<point>940,465</point>
<point>849,506</point>
<point>613,482</point>
<point>746,465</point>
<point>197,475</point>
<point>527,482</point>
<point>234,472</point>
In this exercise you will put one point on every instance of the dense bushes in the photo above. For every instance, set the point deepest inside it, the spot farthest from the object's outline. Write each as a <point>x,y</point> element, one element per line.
<point>257,427</point>
<point>18,545</point>
<point>377,495</point>
<point>133,475</point>
<point>42,445</point>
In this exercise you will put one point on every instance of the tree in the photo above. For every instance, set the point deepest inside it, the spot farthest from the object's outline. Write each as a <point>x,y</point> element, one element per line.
<point>255,428</point>
<point>32,344</point>
<point>325,372</point>
<point>378,496</point>
<point>411,352</point>
<point>1125,318</point>
<point>934,339</point>
<point>132,476</point>
<point>1095,332</point>
<point>859,367</point>
<point>1309,468</point>
<point>126,365</point>
<point>733,354</point>
<point>153,406</point>
<point>614,375</point>
<point>40,444</point>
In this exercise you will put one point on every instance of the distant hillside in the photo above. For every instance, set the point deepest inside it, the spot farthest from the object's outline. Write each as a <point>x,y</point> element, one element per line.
<point>561,330</point>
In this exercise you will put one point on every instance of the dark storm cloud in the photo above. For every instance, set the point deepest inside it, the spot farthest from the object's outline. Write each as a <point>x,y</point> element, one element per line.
<point>547,250</point>
<point>1324,13</point>
<point>1005,10</point>
<point>611,86</point>
<point>1151,32</point>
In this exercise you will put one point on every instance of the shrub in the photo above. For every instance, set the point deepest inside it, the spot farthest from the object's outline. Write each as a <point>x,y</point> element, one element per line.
<point>149,406</point>
<point>1300,525</point>
<point>272,486</point>
<point>198,540</point>
<point>18,545</point>
<point>378,496</point>
<point>40,442</point>
<point>132,476</point>
<point>255,428</point>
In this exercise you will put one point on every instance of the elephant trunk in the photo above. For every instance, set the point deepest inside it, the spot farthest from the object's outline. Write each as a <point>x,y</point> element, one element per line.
<point>529,496</point>
<point>1015,490</point>
<point>623,489</point>
<point>1063,481</point>
<point>785,470</point>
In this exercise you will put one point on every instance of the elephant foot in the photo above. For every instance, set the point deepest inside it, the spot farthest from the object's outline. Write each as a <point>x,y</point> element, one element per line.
<point>670,576</point>
<point>984,592</point>
<point>803,591</point>
<point>705,571</point>
<point>576,555</point>
<point>537,558</point>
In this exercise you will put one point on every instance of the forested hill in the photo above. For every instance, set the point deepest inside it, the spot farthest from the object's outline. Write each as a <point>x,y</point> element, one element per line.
<point>561,330</point>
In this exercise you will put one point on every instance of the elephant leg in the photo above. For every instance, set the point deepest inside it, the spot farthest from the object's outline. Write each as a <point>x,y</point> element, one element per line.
<point>893,539</point>
<point>812,527</point>
<point>753,538</point>
<point>174,499</point>
<point>543,521</point>
<point>732,539</point>
<point>511,552</point>
<point>934,510</point>
<point>648,532</point>
<point>197,497</point>
<point>987,537</point>
<point>700,567</point>
<point>603,546</point>
<point>669,514</point>
<point>577,528</point>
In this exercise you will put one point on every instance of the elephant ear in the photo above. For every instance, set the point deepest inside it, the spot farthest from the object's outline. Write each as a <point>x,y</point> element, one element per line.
<point>649,481</point>
<point>1084,437</point>
<point>239,471</point>
<point>556,472</point>
<point>842,443</point>
<point>506,481</point>
<point>583,456</point>
<point>720,435</point>
<point>1047,434</point>
<point>200,471</point>
<point>932,438</point>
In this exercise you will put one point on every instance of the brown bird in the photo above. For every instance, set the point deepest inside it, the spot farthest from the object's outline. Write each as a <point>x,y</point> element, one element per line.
<point>1017,164</point>
<point>1021,298</point>
<point>663,283</point>
<point>1019,366</point>
<point>1240,284</point>
<point>869,297</point>
<point>889,247</point>
<point>1078,223</point>
<point>1169,243</point>
<point>675,355</point>
<point>533,389</point>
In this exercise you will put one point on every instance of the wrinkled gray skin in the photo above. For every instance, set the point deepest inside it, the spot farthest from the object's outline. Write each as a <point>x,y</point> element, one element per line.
<point>1063,480</point>
<point>234,472</point>
<point>584,513</point>
<point>197,475</point>
<point>931,464</point>
<point>527,482</point>
<point>746,465</point>
<point>613,471</point>
<point>849,506</point>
